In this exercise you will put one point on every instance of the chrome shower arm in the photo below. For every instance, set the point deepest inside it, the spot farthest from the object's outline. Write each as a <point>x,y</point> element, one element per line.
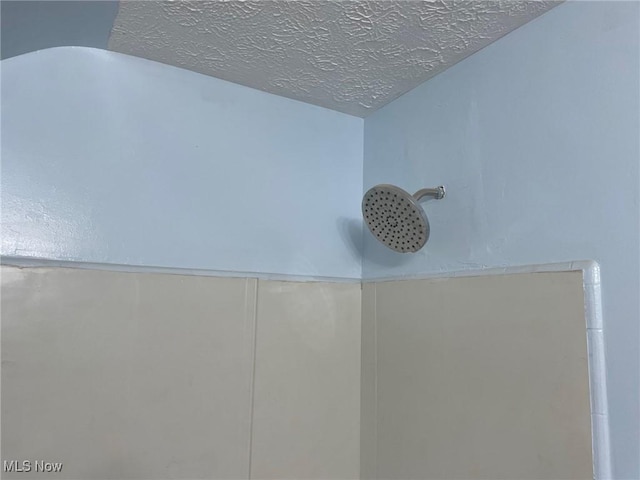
<point>437,193</point>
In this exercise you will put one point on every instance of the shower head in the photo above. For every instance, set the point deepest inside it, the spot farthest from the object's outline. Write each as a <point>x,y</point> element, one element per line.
<point>395,217</point>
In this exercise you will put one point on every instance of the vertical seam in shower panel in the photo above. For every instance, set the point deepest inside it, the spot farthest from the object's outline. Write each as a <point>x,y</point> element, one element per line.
<point>375,379</point>
<point>253,366</point>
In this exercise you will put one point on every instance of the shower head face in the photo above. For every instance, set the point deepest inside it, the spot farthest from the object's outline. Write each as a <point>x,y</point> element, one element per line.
<point>395,218</point>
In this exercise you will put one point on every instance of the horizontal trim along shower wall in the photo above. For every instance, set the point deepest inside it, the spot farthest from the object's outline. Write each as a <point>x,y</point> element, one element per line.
<point>108,158</point>
<point>31,262</point>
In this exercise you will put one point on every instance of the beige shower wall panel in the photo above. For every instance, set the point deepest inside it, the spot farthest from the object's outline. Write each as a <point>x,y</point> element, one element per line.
<point>126,375</point>
<point>151,375</point>
<point>130,375</point>
<point>368,413</point>
<point>306,420</point>
<point>480,378</point>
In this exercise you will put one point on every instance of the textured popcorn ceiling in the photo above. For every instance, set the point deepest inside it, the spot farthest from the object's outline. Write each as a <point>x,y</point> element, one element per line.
<point>351,56</point>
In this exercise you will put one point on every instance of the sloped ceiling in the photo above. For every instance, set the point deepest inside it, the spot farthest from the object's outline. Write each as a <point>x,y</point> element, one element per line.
<point>350,56</point>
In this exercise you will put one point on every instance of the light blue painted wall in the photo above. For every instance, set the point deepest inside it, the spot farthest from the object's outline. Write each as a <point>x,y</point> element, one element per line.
<point>33,25</point>
<point>108,158</point>
<point>537,139</point>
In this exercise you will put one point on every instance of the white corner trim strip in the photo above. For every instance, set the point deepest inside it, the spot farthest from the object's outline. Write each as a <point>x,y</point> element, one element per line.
<point>600,437</point>
<point>595,350</point>
<point>601,447</point>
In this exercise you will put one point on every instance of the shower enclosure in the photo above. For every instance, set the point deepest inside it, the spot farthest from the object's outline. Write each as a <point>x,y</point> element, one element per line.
<point>189,290</point>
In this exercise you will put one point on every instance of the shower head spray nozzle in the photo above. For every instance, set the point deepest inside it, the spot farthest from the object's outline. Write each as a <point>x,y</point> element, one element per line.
<point>395,217</point>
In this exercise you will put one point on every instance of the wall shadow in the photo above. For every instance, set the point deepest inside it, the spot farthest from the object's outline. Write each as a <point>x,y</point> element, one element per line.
<point>355,235</point>
<point>351,230</point>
